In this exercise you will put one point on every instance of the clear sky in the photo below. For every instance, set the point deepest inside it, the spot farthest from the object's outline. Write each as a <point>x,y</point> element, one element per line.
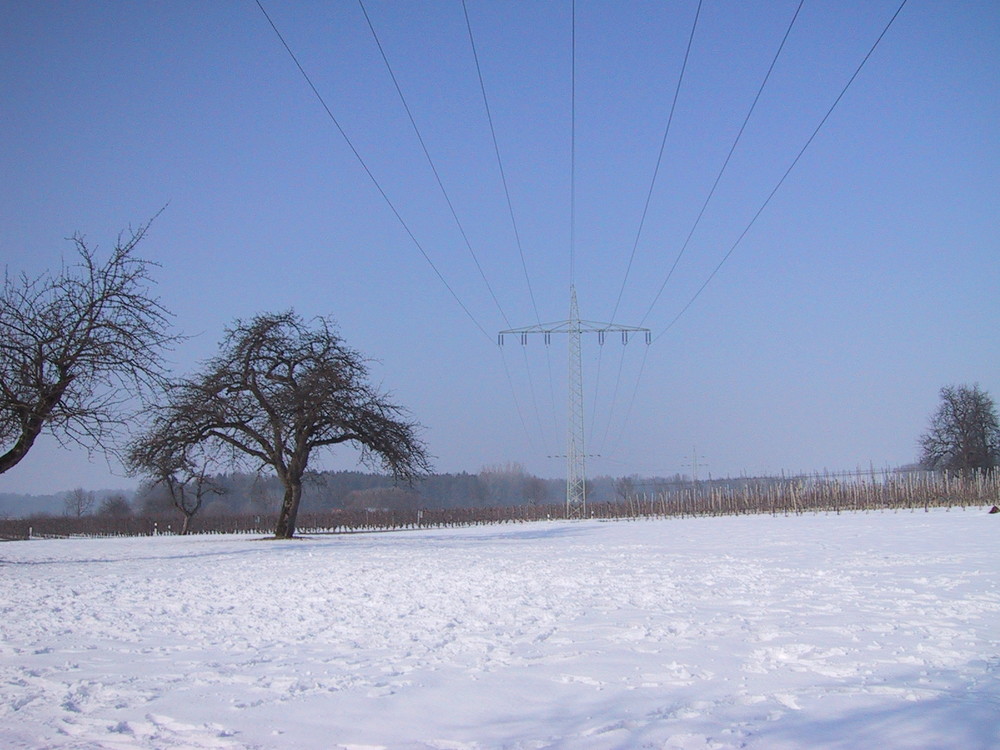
<point>869,280</point>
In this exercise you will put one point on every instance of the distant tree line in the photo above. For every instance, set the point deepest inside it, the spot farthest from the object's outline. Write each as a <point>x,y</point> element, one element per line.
<point>239,493</point>
<point>497,485</point>
<point>80,502</point>
<point>910,490</point>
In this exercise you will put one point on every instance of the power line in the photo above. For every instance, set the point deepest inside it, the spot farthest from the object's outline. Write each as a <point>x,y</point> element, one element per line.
<point>552,392</point>
<point>458,222</point>
<point>510,210</point>
<point>614,400</point>
<point>597,391</point>
<point>572,150</point>
<point>700,214</point>
<point>642,219</point>
<point>631,403</point>
<point>785,175</point>
<point>659,159</point>
<point>531,392</point>
<point>517,405</point>
<point>430,162</point>
<point>368,171</point>
<point>503,174</point>
<point>725,163</point>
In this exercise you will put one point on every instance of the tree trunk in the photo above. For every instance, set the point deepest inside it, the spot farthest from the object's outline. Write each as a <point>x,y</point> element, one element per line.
<point>11,458</point>
<point>289,509</point>
<point>31,427</point>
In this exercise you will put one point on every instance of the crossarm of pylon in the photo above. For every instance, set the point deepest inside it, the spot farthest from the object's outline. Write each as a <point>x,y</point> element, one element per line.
<point>570,326</point>
<point>565,326</point>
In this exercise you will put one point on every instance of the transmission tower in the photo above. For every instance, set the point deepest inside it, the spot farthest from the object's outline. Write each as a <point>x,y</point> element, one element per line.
<point>576,456</point>
<point>695,465</point>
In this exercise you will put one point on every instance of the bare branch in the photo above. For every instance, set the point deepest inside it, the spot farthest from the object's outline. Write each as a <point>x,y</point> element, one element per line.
<point>79,348</point>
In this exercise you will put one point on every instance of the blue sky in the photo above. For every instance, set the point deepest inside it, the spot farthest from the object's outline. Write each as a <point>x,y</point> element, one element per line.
<point>867,283</point>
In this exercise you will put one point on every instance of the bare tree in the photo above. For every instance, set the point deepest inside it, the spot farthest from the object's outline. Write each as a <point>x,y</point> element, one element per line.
<point>77,347</point>
<point>263,498</point>
<point>152,499</point>
<point>624,488</point>
<point>503,483</point>
<point>79,502</point>
<point>115,506</point>
<point>184,470</point>
<point>535,490</point>
<point>281,389</point>
<point>964,433</point>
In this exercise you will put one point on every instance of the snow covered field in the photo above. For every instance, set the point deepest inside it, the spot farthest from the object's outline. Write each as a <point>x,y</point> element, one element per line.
<point>873,630</point>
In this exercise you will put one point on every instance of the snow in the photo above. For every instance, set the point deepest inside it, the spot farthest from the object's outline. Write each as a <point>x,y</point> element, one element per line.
<point>876,630</point>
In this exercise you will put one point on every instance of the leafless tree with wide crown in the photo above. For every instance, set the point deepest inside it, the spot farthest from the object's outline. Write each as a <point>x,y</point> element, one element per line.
<point>282,389</point>
<point>964,433</point>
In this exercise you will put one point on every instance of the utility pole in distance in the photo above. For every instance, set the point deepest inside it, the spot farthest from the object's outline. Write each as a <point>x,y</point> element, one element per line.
<point>576,469</point>
<point>694,467</point>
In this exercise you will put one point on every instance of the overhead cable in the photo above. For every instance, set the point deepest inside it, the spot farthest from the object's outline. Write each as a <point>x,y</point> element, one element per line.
<point>785,175</point>
<point>572,149</point>
<point>430,163</point>
<point>368,171</point>
<point>631,404</point>
<point>659,160</point>
<point>503,174</point>
<point>510,204</point>
<point>725,163</point>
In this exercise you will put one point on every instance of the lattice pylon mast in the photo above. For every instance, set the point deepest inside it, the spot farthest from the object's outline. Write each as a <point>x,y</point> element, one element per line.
<point>574,327</point>
<point>576,456</point>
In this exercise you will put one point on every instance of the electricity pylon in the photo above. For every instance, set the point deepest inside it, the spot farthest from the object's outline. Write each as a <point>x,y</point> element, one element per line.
<point>576,457</point>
